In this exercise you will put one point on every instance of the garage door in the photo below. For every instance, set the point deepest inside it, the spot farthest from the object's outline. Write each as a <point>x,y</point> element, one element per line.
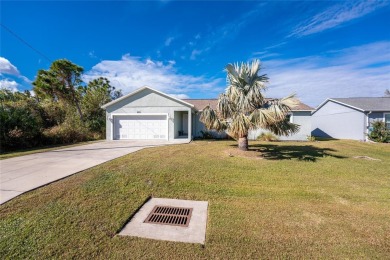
<point>140,127</point>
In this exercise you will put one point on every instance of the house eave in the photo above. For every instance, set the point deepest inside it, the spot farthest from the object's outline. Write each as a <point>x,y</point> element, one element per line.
<point>142,89</point>
<point>337,102</point>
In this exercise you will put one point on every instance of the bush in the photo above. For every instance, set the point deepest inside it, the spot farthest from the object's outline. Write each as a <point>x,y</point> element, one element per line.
<point>311,138</point>
<point>20,125</point>
<point>267,136</point>
<point>379,133</point>
<point>29,121</point>
<point>71,131</point>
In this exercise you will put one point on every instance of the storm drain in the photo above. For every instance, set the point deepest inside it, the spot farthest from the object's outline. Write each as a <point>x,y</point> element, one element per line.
<point>166,215</point>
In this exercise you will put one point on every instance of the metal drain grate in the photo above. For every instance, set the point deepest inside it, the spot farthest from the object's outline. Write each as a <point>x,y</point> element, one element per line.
<point>167,215</point>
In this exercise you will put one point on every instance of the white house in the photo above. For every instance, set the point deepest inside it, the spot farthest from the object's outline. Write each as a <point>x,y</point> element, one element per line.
<point>150,114</point>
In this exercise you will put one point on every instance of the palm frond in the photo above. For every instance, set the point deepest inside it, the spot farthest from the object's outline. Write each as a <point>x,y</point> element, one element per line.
<point>225,107</point>
<point>239,126</point>
<point>262,118</point>
<point>281,107</point>
<point>290,101</point>
<point>283,127</point>
<point>210,119</point>
<point>245,85</point>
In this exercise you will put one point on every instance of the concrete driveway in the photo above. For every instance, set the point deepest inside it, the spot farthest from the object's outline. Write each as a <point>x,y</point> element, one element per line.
<point>21,174</point>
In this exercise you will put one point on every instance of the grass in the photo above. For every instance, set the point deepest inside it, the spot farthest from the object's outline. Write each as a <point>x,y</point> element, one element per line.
<point>285,200</point>
<point>21,152</point>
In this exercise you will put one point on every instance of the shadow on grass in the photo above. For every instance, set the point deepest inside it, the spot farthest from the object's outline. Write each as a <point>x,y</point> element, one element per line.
<point>288,152</point>
<point>324,139</point>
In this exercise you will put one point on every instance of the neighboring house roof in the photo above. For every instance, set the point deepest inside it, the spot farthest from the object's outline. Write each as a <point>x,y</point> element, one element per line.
<point>142,89</point>
<point>199,104</point>
<point>363,104</point>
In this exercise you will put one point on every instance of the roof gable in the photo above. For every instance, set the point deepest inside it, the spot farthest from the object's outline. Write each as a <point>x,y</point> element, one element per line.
<point>146,88</point>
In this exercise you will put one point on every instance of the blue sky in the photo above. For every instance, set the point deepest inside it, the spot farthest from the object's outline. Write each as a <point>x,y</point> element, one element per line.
<point>316,49</point>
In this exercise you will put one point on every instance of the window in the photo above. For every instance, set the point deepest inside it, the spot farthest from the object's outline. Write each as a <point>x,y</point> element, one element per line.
<point>387,120</point>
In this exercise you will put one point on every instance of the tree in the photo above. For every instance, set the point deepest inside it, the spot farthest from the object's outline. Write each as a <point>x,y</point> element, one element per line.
<point>62,81</point>
<point>97,93</point>
<point>243,106</point>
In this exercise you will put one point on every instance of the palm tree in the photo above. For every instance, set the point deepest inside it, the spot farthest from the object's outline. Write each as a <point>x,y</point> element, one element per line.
<point>244,107</point>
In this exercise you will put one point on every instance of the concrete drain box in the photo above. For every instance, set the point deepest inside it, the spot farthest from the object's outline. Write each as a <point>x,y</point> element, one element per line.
<point>169,219</point>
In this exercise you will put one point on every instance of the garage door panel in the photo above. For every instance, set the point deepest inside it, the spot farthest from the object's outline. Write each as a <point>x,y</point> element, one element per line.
<point>140,127</point>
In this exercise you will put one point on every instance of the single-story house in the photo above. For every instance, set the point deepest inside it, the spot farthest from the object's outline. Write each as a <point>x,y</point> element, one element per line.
<point>349,118</point>
<point>151,114</point>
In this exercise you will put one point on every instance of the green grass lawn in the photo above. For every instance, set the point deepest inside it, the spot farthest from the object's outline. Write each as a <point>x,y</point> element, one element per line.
<point>296,200</point>
<point>21,152</point>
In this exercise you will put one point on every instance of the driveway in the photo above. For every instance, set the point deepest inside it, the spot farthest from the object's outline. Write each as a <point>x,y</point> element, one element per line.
<point>21,174</point>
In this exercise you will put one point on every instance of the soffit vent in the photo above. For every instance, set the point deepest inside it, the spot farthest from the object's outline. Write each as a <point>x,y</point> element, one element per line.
<point>166,215</point>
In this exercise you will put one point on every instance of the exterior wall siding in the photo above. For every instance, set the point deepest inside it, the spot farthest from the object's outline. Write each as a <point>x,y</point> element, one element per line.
<point>302,118</point>
<point>334,120</point>
<point>145,102</point>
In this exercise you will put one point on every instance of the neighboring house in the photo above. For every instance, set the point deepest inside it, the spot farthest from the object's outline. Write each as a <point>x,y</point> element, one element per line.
<point>150,114</point>
<point>349,118</point>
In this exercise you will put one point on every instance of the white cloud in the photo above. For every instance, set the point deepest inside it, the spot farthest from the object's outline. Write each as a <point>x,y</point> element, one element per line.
<point>337,15</point>
<point>195,53</point>
<point>179,96</point>
<point>6,67</point>
<point>351,72</point>
<point>168,41</point>
<point>9,84</point>
<point>130,73</point>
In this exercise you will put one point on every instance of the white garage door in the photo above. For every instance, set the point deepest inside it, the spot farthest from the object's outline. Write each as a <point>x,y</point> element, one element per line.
<point>140,127</point>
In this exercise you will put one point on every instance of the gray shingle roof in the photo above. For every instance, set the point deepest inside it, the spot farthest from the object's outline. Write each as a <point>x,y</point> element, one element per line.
<point>367,103</point>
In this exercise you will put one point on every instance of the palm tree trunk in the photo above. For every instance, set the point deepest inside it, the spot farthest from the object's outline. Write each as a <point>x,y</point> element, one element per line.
<point>243,143</point>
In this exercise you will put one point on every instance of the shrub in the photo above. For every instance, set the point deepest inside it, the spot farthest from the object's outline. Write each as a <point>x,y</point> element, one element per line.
<point>311,138</point>
<point>71,131</point>
<point>379,133</point>
<point>20,125</point>
<point>267,136</point>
